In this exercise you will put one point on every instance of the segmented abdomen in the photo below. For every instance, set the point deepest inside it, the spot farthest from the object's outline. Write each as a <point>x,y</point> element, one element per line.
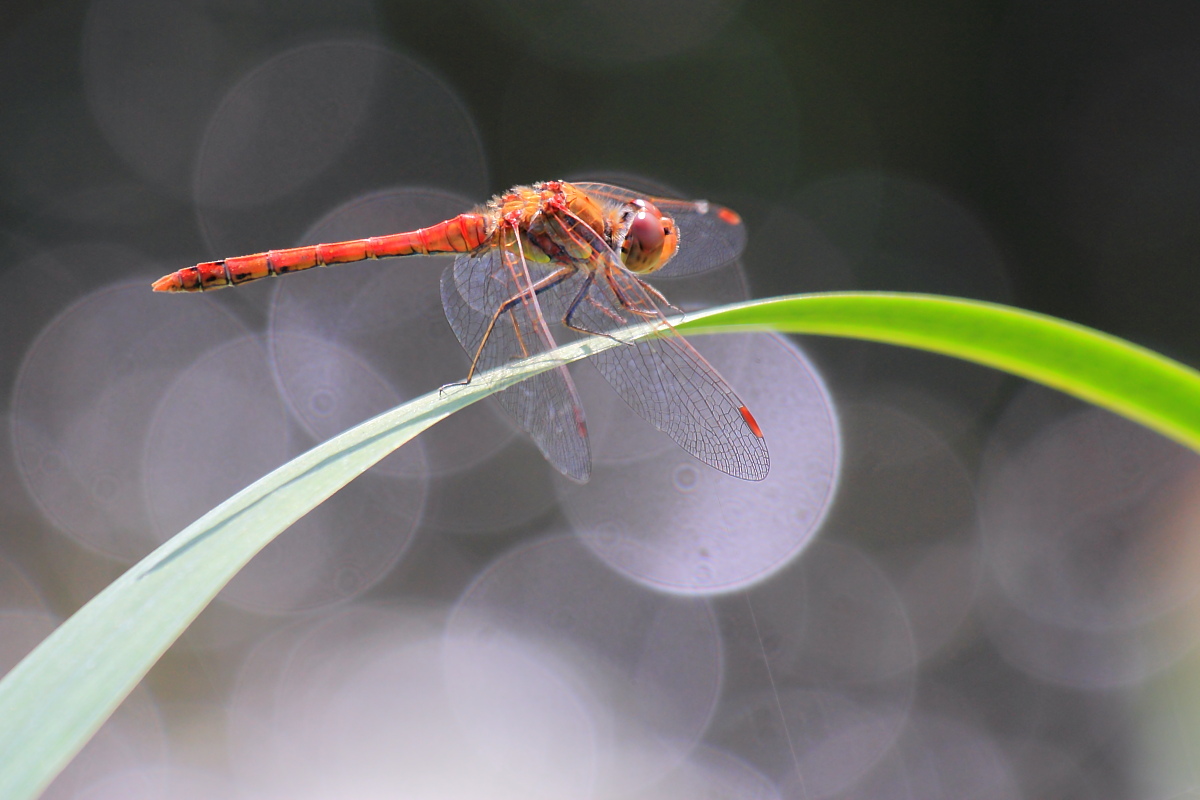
<point>462,234</point>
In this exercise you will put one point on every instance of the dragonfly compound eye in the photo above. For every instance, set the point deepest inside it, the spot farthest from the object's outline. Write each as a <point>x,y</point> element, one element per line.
<point>650,240</point>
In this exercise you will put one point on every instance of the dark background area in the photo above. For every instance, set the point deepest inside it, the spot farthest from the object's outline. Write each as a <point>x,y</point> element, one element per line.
<point>1066,129</point>
<point>1041,154</point>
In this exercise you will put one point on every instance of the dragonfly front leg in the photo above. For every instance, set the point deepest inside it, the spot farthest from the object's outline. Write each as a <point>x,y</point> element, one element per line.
<point>657,295</point>
<point>631,306</point>
<point>579,298</point>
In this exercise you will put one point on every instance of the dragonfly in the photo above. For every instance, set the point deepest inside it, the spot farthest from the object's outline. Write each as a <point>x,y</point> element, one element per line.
<point>576,254</point>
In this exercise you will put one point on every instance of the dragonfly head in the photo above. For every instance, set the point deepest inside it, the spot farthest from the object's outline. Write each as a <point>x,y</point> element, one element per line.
<point>650,237</point>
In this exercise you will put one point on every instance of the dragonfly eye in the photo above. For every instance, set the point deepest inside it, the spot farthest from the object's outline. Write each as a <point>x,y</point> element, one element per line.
<point>650,239</point>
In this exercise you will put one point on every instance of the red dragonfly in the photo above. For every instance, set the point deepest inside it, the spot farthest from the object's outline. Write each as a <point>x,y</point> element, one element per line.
<point>573,253</point>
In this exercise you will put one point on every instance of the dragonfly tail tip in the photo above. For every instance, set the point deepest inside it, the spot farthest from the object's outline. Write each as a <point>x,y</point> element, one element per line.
<point>167,283</point>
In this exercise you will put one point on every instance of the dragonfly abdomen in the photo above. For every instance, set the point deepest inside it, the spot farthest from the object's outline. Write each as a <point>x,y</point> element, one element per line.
<point>462,234</point>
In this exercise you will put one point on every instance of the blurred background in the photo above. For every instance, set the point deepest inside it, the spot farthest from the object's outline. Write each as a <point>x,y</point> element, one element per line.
<point>953,583</point>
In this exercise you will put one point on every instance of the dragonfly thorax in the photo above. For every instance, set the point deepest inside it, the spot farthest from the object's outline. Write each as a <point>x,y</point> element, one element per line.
<point>642,236</point>
<point>554,221</point>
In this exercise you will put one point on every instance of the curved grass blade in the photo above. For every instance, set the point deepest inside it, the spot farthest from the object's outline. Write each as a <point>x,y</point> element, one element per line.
<point>1110,372</point>
<point>53,701</point>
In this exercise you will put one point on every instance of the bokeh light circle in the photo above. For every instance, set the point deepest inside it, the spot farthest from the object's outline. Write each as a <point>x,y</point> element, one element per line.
<point>153,73</point>
<point>318,125</point>
<point>1082,523</point>
<point>1083,487</point>
<point>84,393</point>
<point>711,772</point>
<point>651,662</point>
<point>677,525</point>
<point>224,414</point>
<point>939,758</point>
<point>367,701</point>
<point>913,490</point>
<point>350,341</point>
<point>826,679</point>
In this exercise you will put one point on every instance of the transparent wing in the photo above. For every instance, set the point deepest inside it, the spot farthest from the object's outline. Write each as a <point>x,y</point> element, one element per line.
<point>666,381</point>
<point>709,235</point>
<point>495,285</point>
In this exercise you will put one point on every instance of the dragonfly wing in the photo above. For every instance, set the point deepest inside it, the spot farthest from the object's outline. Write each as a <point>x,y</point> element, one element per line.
<point>546,406</point>
<point>709,235</point>
<point>669,384</point>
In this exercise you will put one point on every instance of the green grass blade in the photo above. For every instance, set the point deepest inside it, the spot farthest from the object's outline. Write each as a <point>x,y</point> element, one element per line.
<point>1110,372</point>
<point>53,701</point>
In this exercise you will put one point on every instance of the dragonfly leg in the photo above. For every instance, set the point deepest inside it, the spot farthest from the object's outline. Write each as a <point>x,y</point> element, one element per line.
<point>519,271</point>
<point>542,285</point>
<point>629,305</point>
<point>579,297</point>
<point>657,295</point>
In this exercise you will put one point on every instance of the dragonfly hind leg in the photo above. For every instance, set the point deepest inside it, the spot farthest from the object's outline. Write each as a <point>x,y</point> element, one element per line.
<point>546,283</point>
